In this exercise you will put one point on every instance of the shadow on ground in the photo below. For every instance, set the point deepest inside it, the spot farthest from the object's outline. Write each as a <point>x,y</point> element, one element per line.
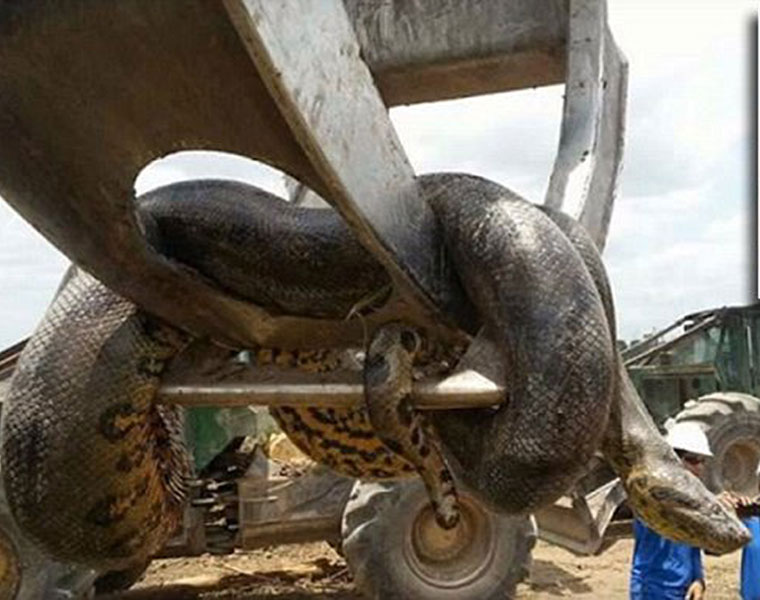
<point>549,578</point>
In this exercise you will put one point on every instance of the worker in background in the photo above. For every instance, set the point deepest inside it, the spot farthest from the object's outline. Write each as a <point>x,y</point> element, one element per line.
<point>749,581</point>
<point>750,573</point>
<point>663,569</point>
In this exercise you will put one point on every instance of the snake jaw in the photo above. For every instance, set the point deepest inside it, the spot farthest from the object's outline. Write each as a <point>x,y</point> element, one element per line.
<point>677,505</point>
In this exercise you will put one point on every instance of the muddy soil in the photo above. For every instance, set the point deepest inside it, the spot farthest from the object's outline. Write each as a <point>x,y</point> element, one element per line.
<point>315,571</point>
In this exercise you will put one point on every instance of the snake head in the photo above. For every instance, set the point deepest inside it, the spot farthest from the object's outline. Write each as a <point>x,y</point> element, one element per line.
<point>676,504</point>
<point>388,365</point>
<point>396,336</point>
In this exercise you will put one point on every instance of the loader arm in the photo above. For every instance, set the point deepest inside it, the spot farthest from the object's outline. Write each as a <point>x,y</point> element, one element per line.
<point>91,92</point>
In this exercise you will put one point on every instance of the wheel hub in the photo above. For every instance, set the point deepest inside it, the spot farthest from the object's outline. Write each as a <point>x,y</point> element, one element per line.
<point>450,558</point>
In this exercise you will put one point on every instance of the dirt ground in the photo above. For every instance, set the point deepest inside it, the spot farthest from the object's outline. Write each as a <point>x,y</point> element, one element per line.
<point>315,571</point>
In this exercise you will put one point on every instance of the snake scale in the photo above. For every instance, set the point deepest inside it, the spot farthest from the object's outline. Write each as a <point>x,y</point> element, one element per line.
<point>94,469</point>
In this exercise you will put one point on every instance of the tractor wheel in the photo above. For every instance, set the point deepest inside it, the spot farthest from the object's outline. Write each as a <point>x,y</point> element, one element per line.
<point>732,423</point>
<point>395,549</point>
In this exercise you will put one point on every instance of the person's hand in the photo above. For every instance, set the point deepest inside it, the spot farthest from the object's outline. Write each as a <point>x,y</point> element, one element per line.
<point>746,501</point>
<point>696,591</point>
<point>733,500</point>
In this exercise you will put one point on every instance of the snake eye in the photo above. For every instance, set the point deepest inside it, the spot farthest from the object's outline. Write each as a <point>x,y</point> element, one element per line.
<point>410,340</point>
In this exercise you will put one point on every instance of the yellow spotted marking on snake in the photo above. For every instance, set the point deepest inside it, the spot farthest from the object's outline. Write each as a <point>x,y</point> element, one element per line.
<point>387,390</point>
<point>344,439</point>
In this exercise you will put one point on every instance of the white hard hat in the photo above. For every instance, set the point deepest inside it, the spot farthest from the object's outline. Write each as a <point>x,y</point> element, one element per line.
<point>688,436</point>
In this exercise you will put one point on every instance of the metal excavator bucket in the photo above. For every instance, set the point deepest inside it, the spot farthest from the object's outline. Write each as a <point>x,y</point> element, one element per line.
<point>579,520</point>
<point>92,91</point>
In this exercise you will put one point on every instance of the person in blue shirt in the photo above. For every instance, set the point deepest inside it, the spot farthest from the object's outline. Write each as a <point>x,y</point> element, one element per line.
<point>750,573</point>
<point>749,580</point>
<point>663,569</point>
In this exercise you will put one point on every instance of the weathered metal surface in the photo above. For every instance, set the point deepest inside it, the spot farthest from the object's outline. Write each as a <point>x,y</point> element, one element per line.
<point>640,358</point>
<point>90,92</point>
<point>578,523</point>
<point>585,174</point>
<point>462,390</point>
<point>309,58</point>
<point>205,376</point>
<point>434,49</point>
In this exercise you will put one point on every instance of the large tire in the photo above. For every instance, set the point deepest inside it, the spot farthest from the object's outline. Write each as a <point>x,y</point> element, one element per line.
<point>396,551</point>
<point>732,423</point>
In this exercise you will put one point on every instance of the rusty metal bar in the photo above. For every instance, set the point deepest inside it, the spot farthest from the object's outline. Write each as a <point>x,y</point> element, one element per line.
<point>435,49</point>
<point>468,389</point>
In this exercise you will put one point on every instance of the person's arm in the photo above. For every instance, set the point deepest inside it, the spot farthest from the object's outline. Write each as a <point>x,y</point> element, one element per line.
<point>696,589</point>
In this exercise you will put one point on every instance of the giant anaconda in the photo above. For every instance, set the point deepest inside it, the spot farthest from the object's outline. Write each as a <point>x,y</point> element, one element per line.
<point>93,469</point>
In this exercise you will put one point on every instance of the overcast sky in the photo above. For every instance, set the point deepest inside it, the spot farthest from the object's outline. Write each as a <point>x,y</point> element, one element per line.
<point>682,234</point>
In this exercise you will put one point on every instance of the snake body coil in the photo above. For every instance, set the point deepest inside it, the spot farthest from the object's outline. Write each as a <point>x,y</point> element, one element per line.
<point>540,307</point>
<point>93,468</point>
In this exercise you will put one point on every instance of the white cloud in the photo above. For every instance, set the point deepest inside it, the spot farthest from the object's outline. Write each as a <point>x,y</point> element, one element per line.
<point>509,137</point>
<point>665,261</point>
<point>689,88</point>
<point>30,270</point>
